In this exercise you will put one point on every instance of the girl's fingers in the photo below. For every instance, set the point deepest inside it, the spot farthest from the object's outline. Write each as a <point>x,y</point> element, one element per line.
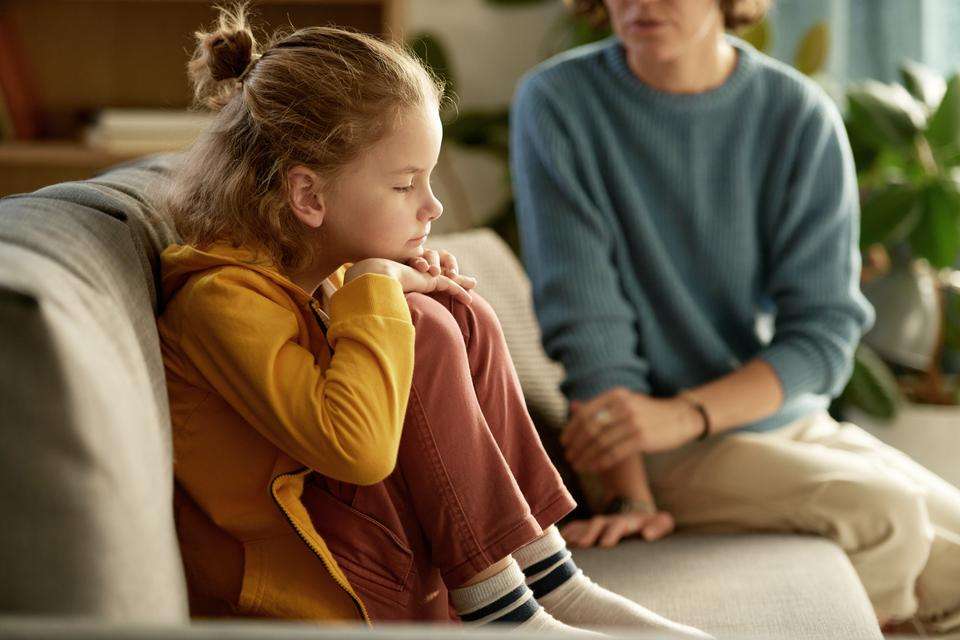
<point>449,263</point>
<point>419,264</point>
<point>446,284</point>
<point>433,258</point>
<point>467,282</point>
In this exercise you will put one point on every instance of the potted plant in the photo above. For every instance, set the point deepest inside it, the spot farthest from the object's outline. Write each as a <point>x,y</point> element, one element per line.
<point>906,142</point>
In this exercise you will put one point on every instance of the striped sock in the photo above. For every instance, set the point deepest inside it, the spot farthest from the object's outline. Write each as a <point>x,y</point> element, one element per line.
<point>574,599</point>
<point>504,599</point>
<point>546,562</point>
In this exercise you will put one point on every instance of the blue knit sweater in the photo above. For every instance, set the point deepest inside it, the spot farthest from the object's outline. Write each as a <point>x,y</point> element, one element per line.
<point>671,238</point>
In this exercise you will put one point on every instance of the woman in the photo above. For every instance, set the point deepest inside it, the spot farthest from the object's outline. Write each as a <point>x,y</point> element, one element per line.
<point>689,214</point>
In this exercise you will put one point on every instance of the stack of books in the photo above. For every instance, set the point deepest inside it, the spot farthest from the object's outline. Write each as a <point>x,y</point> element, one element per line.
<point>140,131</point>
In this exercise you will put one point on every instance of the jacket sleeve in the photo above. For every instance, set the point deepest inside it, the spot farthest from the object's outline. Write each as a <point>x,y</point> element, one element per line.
<point>813,263</point>
<point>568,250</point>
<point>344,422</point>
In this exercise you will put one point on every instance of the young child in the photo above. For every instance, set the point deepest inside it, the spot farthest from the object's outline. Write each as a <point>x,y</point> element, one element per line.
<point>350,437</point>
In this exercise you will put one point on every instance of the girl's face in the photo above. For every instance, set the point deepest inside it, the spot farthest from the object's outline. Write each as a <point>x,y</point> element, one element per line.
<point>661,31</point>
<point>382,205</point>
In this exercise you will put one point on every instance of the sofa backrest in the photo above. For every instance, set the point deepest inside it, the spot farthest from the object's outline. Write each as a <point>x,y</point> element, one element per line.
<point>85,452</point>
<point>85,447</point>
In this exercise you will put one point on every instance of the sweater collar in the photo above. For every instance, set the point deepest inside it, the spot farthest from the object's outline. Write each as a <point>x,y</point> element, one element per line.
<point>747,61</point>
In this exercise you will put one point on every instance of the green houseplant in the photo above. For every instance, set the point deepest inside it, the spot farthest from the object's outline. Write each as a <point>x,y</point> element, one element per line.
<point>906,141</point>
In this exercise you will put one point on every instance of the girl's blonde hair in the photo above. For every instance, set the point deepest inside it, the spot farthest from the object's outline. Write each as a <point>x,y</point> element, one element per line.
<point>317,97</point>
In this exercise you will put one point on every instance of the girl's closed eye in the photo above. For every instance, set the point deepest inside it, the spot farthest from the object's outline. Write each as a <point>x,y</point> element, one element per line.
<point>405,189</point>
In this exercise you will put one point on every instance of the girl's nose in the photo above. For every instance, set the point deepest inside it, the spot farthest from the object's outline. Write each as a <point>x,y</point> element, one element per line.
<point>432,210</point>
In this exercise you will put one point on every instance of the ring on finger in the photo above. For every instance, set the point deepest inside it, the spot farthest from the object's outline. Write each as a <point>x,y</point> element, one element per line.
<point>602,417</point>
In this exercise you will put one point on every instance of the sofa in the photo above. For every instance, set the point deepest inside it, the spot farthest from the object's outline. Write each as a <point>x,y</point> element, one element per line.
<point>88,546</point>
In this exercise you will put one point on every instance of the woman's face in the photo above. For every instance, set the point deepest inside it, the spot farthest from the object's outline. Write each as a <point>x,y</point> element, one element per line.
<point>383,204</point>
<point>662,31</point>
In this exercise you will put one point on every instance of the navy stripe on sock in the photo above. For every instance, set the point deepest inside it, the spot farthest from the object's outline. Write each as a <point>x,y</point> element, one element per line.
<point>554,579</point>
<point>537,567</point>
<point>519,615</point>
<point>500,603</point>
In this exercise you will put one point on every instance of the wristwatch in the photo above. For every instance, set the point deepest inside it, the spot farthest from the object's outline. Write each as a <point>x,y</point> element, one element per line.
<point>620,504</point>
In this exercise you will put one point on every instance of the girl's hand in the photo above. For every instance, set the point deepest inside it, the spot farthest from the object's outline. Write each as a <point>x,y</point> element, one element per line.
<point>442,263</point>
<point>608,530</point>
<point>412,280</point>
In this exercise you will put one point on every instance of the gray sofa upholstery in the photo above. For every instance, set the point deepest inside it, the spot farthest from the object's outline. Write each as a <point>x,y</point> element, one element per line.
<point>88,546</point>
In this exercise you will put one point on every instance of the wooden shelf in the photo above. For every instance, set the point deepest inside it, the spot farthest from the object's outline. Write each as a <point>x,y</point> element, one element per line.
<point>29,165</point>
<point>84,55</point>
<point>42,153</point>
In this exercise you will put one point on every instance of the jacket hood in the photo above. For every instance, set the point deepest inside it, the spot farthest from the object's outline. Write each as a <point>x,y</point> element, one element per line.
<point>180,262</point>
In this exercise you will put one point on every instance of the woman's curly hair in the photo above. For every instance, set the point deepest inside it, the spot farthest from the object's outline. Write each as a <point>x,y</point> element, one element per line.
<point>736,13</point>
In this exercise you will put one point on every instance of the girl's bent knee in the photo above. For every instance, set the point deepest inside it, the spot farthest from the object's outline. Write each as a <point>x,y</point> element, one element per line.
<point>432,319</point>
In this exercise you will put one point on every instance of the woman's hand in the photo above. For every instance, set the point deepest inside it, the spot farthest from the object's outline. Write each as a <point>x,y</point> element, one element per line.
<point>413,280</point>
<point>620,423</point>
<point>608,530</point>
<point>444,263</point>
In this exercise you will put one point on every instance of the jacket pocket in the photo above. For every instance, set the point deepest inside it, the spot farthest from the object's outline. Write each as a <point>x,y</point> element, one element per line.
<point>375,559</point>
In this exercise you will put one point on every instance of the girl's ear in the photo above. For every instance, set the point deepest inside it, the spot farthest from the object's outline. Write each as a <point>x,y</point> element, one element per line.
<point>306,196</point>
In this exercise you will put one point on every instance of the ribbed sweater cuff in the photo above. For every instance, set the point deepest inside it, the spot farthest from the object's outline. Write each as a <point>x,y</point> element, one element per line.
<point>796,373</point>
<point>586,387</point>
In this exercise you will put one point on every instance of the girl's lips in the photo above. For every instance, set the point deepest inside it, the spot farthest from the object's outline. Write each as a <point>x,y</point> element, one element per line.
<point>418,240</point>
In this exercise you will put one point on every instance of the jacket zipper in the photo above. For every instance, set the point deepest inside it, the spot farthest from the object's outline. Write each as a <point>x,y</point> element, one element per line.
<point>343,585</point>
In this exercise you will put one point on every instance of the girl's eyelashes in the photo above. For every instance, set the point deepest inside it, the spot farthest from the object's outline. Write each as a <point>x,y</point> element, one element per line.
<point>405,189</point>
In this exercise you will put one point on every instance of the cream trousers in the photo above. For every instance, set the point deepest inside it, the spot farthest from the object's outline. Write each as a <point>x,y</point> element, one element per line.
<point>898,522</point>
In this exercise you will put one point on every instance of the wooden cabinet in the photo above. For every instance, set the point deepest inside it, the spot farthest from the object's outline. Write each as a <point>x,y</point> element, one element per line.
<point>82,55</point>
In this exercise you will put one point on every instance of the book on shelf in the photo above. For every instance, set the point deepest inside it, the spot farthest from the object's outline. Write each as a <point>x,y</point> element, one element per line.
<point>19,103</point>
<point>135,131</point>
<point>6,124</point>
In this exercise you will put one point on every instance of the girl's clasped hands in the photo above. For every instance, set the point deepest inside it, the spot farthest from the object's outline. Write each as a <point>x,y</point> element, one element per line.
<point>429,272</point>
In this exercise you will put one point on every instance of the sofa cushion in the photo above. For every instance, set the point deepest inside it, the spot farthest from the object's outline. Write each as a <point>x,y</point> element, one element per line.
<point>741,586</point>
<point>85,456</point>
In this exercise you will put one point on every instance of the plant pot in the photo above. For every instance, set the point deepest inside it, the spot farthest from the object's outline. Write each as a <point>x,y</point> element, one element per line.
<point>908,321</point>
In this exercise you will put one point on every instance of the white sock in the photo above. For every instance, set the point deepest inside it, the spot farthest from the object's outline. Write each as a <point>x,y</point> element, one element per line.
<point>504,599</point>
<point>573,598</point>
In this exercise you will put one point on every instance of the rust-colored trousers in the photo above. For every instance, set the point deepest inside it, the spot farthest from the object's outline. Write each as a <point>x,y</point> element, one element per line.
<point>472,482</point>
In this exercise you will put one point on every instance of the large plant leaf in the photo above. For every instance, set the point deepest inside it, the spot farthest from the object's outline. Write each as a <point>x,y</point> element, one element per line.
<point>428,48</point>
<point>944,127</point>
<point>812,51</point>
<point>884,115</point>
<point>923,83</point>
<point>484,130</point>
<point>758,34</point>
<point>872,387</point>
<point>937,234</point>
<point>889,215</point>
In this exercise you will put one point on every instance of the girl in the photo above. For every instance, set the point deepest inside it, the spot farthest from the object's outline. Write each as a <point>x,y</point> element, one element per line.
<point>350,436</point>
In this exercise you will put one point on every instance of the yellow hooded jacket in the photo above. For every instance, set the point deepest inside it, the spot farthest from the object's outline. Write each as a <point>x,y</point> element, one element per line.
<point>259,399</point>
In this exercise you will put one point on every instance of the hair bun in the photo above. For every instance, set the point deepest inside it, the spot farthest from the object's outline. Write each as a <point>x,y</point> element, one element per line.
<point>223,53</point>
<point>228,54</point>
